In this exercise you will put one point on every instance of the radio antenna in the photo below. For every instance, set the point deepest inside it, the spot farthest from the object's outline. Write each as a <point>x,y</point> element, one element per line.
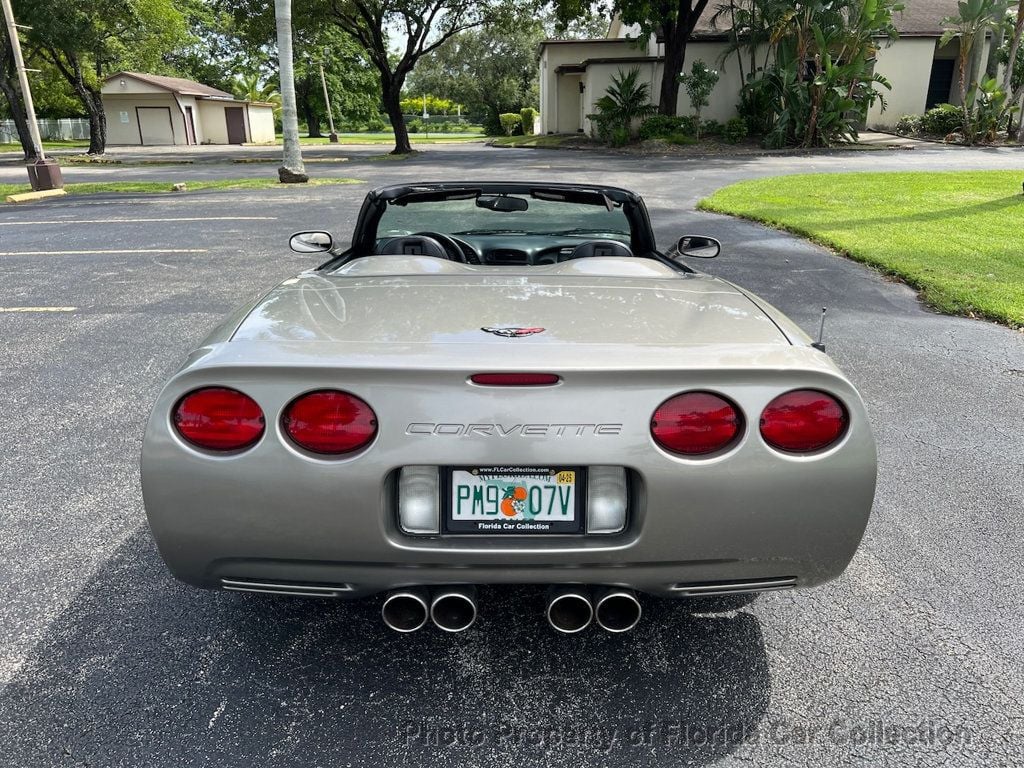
<point>820,343</point>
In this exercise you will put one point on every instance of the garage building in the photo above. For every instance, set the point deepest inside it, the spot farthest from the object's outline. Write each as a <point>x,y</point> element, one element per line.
<point>153,110</point>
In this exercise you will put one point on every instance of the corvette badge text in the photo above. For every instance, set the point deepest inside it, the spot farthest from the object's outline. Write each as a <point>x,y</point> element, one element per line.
<point>512,430</point>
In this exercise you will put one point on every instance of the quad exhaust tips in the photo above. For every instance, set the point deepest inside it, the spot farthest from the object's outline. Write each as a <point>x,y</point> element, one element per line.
<point>617,610</point>
<point>406,610</point>
<point>453,609</point>
<point>569,609</point>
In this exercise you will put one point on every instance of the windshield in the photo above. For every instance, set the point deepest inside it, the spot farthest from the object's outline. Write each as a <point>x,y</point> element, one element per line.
<point>488,215</point>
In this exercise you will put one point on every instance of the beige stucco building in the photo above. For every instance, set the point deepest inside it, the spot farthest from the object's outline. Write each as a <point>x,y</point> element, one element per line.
<point>153,110</point>
<point>574,74</point>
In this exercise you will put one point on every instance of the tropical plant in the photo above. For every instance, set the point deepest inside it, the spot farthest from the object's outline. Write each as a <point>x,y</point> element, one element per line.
<point>699,84</point>
<point>817,79</point>
<point>248,87</point>
<point>974,19</point>
<point>660,126</point>
<point>626,101</point>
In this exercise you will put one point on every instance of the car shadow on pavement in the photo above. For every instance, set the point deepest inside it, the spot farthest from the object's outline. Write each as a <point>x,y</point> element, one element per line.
<point>140,670</point>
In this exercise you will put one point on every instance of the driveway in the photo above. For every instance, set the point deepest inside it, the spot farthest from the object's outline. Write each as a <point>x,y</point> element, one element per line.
<point>911,658</point>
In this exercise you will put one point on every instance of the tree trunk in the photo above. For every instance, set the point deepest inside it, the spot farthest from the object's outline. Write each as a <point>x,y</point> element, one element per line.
<point>292,169</point>
<point>17,109</point>
<point>9,88</point>
<point>70,67</point>
<point>305,101</point>
<point>675,57</point>
<point>391,88</point>
<point>676,33</point>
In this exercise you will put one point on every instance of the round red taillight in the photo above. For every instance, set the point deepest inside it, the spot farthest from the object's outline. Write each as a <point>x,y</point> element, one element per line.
<point>329,422</point>
<point>803,421</point>
<point>219,419</point>
<point>696,423</point>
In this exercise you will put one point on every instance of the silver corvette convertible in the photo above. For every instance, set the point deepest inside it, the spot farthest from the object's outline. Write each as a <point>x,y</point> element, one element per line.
<point>507,383</point>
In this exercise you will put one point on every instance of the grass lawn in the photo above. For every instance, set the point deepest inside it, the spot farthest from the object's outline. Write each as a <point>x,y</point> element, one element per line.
<point>531,141</point>
<point>958,237</point>
<point>387,137</point>
<point>149,187</point>
<point>49,145</point>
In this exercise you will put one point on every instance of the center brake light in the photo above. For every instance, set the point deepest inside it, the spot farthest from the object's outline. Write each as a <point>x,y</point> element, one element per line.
<point>515,379</point>
<point>696,424</point>
<point>329,422</point>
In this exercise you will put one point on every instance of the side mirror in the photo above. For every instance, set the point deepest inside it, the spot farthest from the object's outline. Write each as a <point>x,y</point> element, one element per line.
<point>698,246</point>
<point>311,242</point>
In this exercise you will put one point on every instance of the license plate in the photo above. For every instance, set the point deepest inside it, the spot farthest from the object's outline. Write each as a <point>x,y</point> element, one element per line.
<point>514,500</point>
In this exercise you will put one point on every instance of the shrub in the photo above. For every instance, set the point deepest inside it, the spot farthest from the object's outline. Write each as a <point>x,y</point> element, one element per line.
<point>711,128</point>
<point>414,126</point>
<point>735,130</point>
<point>509,122</point>
<point>659,126</point>
<point>625,101</point>
<point>376,124</point>
<point>620,136</point>
<point>908,125</point>
<point>942,120</point>
<point>528,115</point>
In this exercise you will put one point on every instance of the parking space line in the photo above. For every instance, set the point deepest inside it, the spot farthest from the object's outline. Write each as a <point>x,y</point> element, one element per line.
<point>38,309</point>
<point>135,221</point>
<point>99,252</point>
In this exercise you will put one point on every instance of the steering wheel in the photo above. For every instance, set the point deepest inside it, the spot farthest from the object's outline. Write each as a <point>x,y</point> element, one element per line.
<point>420,244</point>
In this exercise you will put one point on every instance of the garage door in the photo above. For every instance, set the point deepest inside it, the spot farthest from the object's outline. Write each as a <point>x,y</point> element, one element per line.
<point>155,125</point>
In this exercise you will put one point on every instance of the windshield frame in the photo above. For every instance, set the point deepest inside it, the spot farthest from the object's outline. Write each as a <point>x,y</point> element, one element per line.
<point>641,238</point>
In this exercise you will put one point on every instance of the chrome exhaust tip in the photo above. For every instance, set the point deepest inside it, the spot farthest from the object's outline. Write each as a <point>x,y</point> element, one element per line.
<point>617,610</point>
<point>453,609</point>
<point>405,610</point>
<point>569,609</point>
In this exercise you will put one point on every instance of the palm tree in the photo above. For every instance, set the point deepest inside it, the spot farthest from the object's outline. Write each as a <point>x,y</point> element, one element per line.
<point>292,171</point>
<point>968,27</point>
<point>248,88</point>
<point>629,98</point>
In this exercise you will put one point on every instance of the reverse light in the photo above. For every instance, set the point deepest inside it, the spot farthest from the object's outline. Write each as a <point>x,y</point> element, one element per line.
<point>607,499</point>
<point>219,419</point>
<point>329,422</point>
<point>515,379</point>
<point>696,423</point>
<point>419,500</point>
<point>803,421</point>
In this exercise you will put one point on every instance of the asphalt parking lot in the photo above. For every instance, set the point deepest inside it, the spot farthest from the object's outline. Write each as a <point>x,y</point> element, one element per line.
<point>913,657</point>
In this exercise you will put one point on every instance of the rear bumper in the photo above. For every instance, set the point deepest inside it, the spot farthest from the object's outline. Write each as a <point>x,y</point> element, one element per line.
<point>274,514</point>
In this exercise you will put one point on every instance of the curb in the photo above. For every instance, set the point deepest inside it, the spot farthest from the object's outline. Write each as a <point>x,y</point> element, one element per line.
<point>24,197</point>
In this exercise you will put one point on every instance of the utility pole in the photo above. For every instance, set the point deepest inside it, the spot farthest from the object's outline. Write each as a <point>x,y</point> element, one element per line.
<point>333,136</point>
<point>42,173</point>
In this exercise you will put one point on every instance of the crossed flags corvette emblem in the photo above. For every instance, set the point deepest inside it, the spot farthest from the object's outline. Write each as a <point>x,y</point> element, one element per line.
<point>513,333</point>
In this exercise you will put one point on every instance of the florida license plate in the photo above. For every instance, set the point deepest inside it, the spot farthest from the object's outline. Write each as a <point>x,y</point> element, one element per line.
<point>514,500</point>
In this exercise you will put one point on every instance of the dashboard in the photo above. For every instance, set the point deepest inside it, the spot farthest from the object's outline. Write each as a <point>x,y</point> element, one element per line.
<point>512,250</point>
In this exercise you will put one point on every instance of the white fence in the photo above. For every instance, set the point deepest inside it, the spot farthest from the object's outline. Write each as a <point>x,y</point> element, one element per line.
<point>63,129</point>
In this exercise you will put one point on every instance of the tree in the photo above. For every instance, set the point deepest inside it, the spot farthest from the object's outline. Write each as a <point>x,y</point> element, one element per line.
<point>12,93</point>
<point>84,41</point>
<point>1013,75</point>
<point>699,84</point>
<point>292,170</point>
<point>351,78</point>
<point>490,71</point>
<point>424,25</point>
<point>973,20</point>
<point>673,21</point>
